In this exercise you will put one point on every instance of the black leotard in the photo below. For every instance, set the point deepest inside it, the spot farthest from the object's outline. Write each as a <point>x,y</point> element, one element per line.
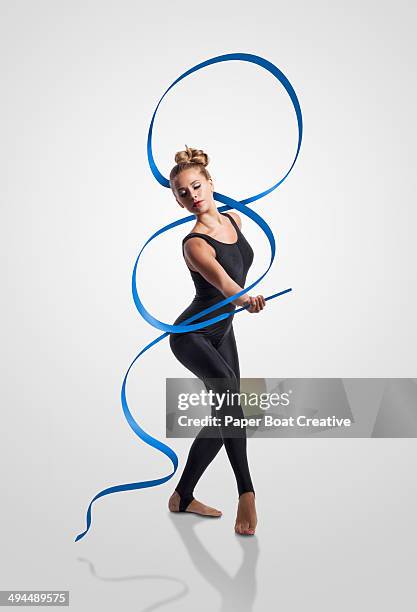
<point>211,355</point>
<point>236,258</point>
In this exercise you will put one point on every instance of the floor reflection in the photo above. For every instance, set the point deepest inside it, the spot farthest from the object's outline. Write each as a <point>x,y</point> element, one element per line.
<point>159,577</point>
<point>237,591</point>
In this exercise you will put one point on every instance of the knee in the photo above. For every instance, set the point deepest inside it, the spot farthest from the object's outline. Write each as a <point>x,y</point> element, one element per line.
<point>228,381</point>
<point>234,383</point>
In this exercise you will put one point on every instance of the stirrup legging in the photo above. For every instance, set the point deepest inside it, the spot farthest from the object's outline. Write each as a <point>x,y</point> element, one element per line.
<point>217,365</point>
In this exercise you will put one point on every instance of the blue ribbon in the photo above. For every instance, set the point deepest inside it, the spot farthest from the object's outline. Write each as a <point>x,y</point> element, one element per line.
<point>229,203</point>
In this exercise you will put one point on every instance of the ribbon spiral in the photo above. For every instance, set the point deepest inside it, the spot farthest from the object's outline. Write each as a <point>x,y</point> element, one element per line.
<point>186,326</point>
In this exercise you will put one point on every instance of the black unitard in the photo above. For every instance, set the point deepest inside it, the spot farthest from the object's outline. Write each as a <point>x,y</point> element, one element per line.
<point>211,355</point>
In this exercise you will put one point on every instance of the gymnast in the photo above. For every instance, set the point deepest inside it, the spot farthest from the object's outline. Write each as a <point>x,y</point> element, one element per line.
<point>218,257</point>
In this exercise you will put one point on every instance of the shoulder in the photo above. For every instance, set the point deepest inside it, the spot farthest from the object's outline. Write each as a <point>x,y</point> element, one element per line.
<point>235,217</point>
<point>197,246</point>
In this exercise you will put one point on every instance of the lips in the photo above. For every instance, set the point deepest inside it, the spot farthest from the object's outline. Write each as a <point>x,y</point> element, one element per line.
<point>197,204</point>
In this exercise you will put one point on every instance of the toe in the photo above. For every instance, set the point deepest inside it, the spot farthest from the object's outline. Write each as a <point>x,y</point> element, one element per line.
<point>247,528</point>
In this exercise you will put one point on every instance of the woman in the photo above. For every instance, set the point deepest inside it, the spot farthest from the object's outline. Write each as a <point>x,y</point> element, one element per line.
<point>218,257</point>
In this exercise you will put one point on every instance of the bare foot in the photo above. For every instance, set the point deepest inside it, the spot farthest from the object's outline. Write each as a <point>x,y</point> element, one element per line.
<point>246,518</point>
<point>195,506</point>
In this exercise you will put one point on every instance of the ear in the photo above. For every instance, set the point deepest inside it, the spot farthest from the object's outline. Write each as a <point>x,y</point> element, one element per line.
<point>211,183</point>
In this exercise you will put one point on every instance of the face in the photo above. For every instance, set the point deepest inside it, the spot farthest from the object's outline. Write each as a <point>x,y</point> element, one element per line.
<point>193,191</point>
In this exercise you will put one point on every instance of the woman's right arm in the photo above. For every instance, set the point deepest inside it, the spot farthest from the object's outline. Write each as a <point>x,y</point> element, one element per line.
<point>200,256</point>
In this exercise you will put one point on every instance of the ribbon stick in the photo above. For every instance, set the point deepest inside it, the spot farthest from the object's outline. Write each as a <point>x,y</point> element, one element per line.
<point>187,325</point>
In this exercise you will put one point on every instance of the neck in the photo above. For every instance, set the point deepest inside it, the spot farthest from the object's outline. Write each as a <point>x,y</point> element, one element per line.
<point>211,219</point>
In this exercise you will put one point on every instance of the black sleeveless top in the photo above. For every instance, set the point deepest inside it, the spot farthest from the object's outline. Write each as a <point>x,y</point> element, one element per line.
<point>236,258</point>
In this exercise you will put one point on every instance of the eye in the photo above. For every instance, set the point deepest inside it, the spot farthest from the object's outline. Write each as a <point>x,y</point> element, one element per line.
<point>197,186</point>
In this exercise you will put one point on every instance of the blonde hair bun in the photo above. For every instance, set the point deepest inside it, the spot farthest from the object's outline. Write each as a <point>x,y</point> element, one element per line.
<point>192,156</point>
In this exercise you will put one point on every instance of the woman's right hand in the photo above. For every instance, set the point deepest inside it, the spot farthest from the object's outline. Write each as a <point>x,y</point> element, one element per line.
<point>255,303</point>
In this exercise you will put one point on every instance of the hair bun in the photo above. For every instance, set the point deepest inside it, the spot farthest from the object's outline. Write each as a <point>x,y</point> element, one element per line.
<point>192,156</point>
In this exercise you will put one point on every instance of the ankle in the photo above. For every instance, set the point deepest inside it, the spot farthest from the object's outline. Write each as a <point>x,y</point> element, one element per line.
<point>247,495</point>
